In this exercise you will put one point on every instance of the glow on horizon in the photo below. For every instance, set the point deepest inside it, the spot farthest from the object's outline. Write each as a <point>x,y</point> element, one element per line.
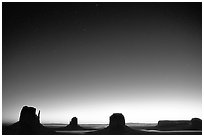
<point>99,113</point>
<point>89,108</point>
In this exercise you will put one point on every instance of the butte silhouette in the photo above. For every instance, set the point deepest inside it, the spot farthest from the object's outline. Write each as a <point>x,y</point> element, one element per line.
<point>196,124</point>
<point>28,124</point>
<point>73,125</point>
<point>117,127</point>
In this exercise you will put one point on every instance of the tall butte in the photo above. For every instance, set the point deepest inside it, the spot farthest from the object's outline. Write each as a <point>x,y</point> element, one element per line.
<point>117,127</point>
<point>73,125</point>
<point>28,124</point>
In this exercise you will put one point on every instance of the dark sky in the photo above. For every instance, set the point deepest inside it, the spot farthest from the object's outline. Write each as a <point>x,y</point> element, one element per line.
<point>90,60</point>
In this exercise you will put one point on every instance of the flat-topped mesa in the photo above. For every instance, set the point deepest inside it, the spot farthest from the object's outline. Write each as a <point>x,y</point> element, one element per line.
<point>196,123</point>
<point>28,116</point>
<point>172,123</point>
<point>117,121</point>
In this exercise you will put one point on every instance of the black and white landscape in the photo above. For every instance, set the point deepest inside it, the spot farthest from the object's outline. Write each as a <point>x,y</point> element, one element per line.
<point>102,68</point>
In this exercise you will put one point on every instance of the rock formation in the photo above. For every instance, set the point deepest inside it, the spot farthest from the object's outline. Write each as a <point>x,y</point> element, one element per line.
<point>193,124</point>
<point>74,122</point>
<point>196,124</point>
<point>117,127</point>
<point>117,121</point>
<point>73,125</point>
<point>173,123</point>
<point>28,124</point>
<point>28,117</point>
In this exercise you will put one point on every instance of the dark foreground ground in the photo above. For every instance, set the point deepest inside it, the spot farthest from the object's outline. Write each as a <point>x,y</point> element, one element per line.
<point>102,129</point>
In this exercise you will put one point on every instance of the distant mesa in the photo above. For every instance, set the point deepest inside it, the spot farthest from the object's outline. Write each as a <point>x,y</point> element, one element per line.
<point>173,123</point>
<point>117,127</point>
<point>193,124</point>
<point>73,125</point>
<point>28,124</point>
<point>196,124</point>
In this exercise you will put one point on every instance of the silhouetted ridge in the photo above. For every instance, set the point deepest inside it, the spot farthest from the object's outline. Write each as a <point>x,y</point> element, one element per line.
<point>172,123</point>
<point>193,124</point>
<point>28,124</point>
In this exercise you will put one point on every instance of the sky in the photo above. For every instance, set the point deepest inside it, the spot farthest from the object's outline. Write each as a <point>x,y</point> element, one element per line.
<point>90,60</point>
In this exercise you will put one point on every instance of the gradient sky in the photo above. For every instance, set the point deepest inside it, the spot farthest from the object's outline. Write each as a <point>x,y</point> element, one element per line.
<point>90,60</point>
